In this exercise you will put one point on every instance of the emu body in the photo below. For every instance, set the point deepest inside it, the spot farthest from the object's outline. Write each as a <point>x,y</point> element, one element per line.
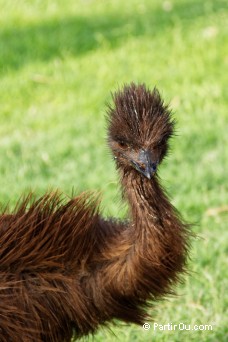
<point>64,270</point>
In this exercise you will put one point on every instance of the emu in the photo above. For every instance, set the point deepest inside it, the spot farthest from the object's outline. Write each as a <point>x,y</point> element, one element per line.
<point>65,270</point>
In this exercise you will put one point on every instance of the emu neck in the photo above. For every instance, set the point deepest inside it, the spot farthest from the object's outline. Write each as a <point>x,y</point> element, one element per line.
<point>148,204</point>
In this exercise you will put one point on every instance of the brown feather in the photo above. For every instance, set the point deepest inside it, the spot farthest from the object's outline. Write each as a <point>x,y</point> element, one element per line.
<point>65,270</point>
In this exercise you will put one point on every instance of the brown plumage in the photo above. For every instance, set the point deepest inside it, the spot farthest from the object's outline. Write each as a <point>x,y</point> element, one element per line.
<point>64,270</point>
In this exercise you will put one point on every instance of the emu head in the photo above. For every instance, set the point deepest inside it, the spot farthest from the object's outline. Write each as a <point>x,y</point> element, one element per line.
<point>139,127</point>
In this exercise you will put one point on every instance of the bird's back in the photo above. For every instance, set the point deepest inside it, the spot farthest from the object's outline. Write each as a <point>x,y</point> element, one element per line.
<point>43,245</point>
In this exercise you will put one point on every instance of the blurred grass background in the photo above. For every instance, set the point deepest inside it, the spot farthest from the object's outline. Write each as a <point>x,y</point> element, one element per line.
<point>59,60</point>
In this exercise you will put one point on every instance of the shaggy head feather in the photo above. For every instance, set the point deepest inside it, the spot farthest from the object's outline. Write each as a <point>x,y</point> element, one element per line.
<point>139,127</point>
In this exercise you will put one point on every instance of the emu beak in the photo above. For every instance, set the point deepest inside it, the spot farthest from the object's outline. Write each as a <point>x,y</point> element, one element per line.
<point>144,164</point>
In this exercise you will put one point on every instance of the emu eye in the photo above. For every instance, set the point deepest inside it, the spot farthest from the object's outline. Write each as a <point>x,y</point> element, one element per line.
<point>122,144</point>
<point>161,142</point>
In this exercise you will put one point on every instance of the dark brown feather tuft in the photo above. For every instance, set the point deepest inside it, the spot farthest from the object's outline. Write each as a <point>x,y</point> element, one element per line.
<point>139,115</point>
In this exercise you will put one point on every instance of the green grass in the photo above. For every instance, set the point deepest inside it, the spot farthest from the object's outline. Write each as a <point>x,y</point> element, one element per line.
<point>58,62</point>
